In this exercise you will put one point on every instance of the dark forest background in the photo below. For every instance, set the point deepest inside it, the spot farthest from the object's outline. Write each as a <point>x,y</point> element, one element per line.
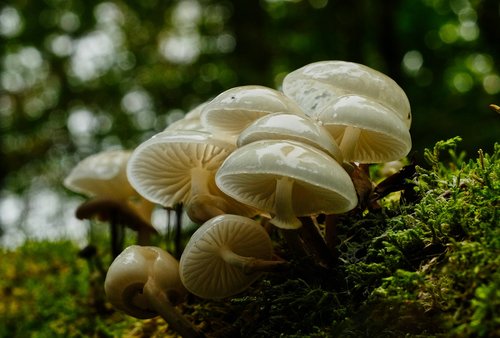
<point>79,76</point>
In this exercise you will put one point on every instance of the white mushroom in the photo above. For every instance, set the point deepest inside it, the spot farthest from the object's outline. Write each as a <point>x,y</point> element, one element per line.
<point>366,131</point>
<point>316,85</point>
<point>286,179</point>
<point>102,177</point>
<point>233,110</point>
<point>144,282</point>
<point>225,255</point>
<point>290,127</point>
<point>178,166</point>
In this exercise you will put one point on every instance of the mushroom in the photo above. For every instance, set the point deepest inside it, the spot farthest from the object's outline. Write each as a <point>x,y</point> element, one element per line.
<point>366,131</point>
<point>316,85</point>
<point>190,121</point>
<point>233,110</point>
<point>143,282</point>
<point>225,255</point>
<point>178,166</point>
<point>290,127</point>
<point>286,179</point>
<point>102,178</point>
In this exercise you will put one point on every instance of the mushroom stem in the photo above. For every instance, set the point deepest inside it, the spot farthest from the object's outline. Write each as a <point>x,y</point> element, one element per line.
<point>202,204</point>
<point>315,242</point>
<point>160,302</point>
<point>117,234</point>
<point>349,141</point>
<point>331,232</point>
<point>199,181</point>
<point>284,217</point>
<point>178,230</point>
<point>201,208</point>
<point>250,265</point>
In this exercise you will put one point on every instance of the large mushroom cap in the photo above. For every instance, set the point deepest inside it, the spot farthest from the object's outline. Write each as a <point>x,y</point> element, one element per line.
<point>320,184</point>
<point>233,110</point>
<point>203,270</point>
<point>160,168</point>
<point>315,85</point>
<point>383,136</point>
<point>130,271</point>
<point>102,175</point>
<point>290,127</point>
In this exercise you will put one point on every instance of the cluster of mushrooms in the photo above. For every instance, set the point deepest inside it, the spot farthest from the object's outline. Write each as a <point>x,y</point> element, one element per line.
<point>250,156</point>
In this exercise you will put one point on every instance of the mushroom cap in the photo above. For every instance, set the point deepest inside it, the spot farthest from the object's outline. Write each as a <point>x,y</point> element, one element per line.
<point>102,175</point>
<point>384,136</point>
<point>290,127</point>
<point>205,273</point>
<point>190,121</point>
<point>131,269</point>
<point>321,185</point>
<point>315,85</point>
<point>234,109</point>
<point>160,168</point>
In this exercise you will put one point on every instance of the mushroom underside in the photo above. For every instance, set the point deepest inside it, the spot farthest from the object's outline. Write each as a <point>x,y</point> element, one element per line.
<point>258,191</point>
<point>374,146</point>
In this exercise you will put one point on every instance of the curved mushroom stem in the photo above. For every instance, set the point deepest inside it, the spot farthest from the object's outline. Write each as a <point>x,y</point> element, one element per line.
<point>202,204</point>
<point>201,208</point>
<point>250,265</point>
<point>161,304</point>
<point>284,217</point>
<point>349,141</point>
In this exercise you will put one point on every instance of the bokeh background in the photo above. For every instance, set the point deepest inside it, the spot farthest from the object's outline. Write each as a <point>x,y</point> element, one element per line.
<point>81,76</point>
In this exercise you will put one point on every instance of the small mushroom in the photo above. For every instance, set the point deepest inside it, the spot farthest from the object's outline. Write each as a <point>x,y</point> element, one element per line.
<point>233,110</point>
<point>365,130</point>
<point>143,282</point>
<point>290,127</point>
<point>225,255</point>
<point>316,85</point>
<point>102,178</point>
<point>286,179</point>
<point>178,166</point>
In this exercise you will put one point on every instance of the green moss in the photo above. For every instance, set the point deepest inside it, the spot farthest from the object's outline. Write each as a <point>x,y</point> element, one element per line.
<point>428,267</point>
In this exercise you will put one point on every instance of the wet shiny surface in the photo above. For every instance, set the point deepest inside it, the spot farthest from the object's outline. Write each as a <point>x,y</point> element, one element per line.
<point>349,77</point>
<point>290,127</point>
<point>249,175</point>
<point>129,272</point>
<point>234,109</point>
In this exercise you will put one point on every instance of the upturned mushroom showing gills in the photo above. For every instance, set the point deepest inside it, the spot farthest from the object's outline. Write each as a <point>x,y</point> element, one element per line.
<point>286,179</point>
<point>366,131</point>
<point>316,85</point>
<point>233,110</point>
<point>179,167</point>
<point>225,255</point>
<point>144,282</point>
<point>290,127</point>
